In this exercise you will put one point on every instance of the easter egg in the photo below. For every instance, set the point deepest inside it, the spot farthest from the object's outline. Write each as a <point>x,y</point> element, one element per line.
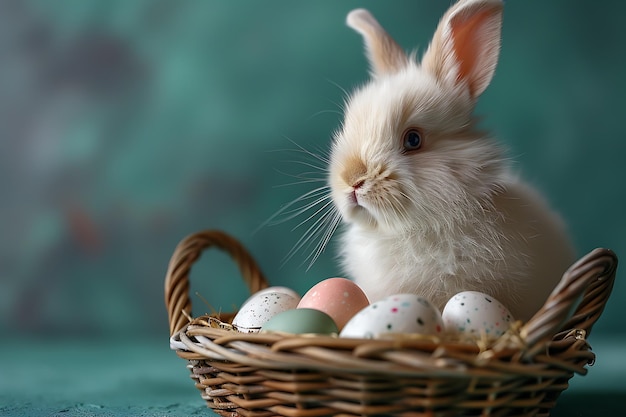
<point>400,313</point>
<point>474,314</point>
<point>261,307</point>
<point>340,298</point>
<point>300,321</point>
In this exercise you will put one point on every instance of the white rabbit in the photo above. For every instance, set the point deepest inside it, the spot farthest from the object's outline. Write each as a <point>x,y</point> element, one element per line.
<point>428,201</point>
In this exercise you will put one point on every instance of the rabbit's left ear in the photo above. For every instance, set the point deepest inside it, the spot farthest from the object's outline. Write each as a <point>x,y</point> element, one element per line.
<point>466,45</point>
<point>384,54</point>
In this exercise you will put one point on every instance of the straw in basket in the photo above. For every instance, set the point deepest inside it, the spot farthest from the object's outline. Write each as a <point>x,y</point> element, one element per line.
<point>258,375</point>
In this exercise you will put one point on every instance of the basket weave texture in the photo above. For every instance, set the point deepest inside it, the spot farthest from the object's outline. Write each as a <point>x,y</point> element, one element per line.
<point>257,375</point>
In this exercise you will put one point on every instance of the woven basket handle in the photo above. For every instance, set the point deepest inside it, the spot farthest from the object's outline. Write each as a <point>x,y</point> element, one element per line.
<point>585,287</point>
<point>187,252</point>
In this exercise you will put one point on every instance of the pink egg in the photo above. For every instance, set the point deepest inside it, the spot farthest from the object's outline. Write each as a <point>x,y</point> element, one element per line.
<point>340,298</point>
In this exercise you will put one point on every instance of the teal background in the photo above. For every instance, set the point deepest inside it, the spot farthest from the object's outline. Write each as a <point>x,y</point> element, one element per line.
<point>126,125</point>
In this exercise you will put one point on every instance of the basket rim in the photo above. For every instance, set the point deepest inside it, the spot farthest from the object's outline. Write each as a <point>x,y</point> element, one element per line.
<point>398,356</point>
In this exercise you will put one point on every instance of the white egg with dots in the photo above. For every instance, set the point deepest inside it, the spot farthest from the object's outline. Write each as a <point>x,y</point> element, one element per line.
<point>396,314</point>
<point>261,307</point>
<point>476,315</point>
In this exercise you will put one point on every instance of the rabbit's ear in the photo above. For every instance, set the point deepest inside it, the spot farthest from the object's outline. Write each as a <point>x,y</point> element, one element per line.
<point>466,45</point>
<point>384,54</point>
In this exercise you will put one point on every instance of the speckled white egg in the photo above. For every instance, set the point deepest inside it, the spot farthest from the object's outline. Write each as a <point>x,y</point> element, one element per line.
<point>400,313</point>
<point>475,314</point>
<point>261,307</point>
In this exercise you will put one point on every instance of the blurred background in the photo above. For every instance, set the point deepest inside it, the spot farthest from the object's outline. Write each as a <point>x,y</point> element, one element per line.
<point>126,125</point>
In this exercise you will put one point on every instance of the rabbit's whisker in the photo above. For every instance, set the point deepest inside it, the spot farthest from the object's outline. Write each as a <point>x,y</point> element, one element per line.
<point>315,206</point>
<point>323,227</point>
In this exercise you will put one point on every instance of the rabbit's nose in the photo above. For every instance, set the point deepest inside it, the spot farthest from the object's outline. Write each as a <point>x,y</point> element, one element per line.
<point>354,172</point>
<point>358,184</point>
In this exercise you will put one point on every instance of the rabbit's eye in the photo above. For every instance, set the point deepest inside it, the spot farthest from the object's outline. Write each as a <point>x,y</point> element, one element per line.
<point>412,140</point>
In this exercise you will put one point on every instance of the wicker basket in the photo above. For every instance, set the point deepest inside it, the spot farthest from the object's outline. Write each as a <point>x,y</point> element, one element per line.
<point>520,374</point>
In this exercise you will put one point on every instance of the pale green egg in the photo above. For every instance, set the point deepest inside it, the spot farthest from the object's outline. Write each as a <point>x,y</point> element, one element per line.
<point>301,321</point>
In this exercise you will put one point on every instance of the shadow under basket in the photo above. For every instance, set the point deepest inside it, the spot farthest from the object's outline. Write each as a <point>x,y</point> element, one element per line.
<point>520,374</point>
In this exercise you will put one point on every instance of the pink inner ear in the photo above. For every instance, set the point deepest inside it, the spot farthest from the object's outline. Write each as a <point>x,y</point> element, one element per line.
<point>469,45</point>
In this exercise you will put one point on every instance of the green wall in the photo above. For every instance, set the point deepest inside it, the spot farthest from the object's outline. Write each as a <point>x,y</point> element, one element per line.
<point>128,124</point>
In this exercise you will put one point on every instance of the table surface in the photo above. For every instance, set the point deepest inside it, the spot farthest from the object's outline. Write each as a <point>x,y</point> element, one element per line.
<point>144,378</point>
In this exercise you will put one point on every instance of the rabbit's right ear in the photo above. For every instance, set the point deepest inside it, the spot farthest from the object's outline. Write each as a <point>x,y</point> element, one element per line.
<point>466,45</point>
<point>384,54</point>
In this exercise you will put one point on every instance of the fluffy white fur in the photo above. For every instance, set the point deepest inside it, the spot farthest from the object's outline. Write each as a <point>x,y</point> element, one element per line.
<point>450,216</point>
